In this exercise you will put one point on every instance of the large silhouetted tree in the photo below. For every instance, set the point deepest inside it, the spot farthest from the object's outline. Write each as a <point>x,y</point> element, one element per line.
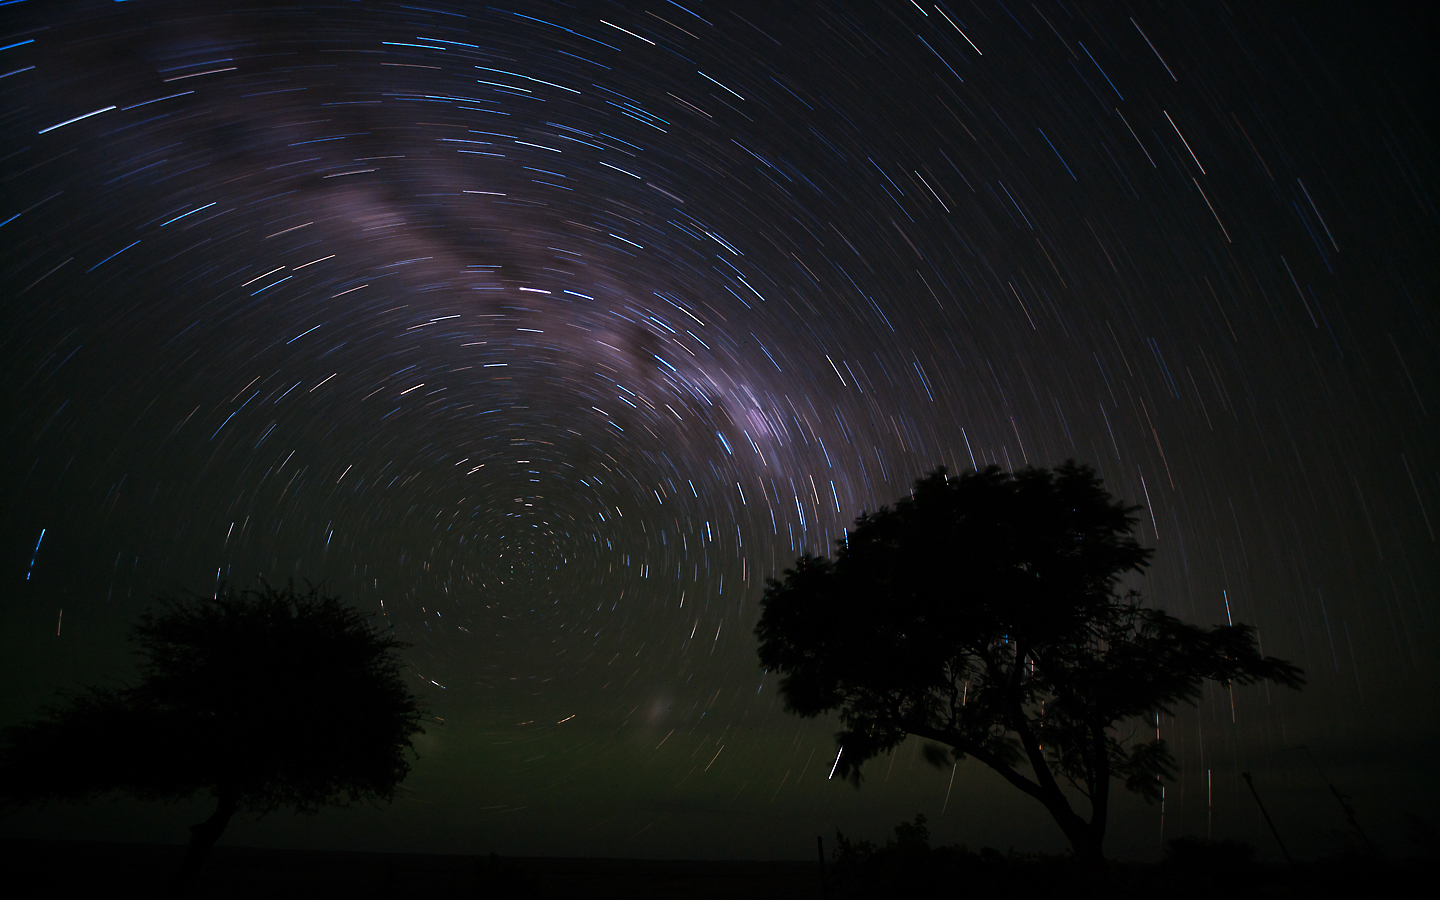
<point>264,699</point>
<point>985,613</point>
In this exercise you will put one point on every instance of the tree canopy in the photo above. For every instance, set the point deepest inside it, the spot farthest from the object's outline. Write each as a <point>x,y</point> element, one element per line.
<point>986,614</point>
<point>266,698</point>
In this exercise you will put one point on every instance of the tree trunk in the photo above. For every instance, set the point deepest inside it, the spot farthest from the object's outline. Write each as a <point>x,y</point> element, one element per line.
<point>1086,838</point>
<point>1092,861</point>
<point>1086,844</point>
<point>202,838</point>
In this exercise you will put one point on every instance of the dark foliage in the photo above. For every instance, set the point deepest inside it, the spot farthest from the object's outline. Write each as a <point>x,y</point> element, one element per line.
<point>266,699</point>
<point>287,699</point>
<point>908,864</point>
<point>1214,864</point>
<point>985,613</point>
<point>911,841</point>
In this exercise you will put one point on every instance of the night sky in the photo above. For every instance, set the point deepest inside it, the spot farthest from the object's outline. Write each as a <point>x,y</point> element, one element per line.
<point>547,331</point>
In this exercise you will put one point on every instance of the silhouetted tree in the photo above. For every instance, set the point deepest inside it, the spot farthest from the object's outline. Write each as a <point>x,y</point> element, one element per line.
<point>985,613</point>
<point>265,699</point>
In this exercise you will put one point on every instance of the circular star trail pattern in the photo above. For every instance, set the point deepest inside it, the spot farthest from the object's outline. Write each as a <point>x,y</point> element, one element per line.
<point>548,331</point>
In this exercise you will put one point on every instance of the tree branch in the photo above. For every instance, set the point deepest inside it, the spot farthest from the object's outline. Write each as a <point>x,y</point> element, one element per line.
<point>971,748</point>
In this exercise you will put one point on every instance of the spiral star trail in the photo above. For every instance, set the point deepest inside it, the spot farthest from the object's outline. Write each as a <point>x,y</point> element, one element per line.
<point>547,332</point>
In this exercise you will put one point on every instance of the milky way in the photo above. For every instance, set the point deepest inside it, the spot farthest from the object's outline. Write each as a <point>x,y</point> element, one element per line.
<point>548,331</point>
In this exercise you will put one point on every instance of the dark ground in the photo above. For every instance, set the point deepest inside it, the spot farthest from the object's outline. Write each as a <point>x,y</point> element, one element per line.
<point>37,868</point>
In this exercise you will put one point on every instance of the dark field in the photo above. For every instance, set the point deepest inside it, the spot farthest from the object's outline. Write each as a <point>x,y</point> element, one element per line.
<point>104,870</point>
<point>35,868</point>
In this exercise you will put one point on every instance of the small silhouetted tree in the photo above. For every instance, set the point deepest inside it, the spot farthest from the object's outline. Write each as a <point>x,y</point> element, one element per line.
<point>985,613</point>
<point>264,699</point>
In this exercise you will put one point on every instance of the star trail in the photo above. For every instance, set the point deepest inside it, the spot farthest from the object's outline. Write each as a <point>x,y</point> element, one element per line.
<point>548,331</point>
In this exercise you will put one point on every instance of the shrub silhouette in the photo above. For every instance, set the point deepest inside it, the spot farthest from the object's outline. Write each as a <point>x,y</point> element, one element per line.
<point>265,699</point>
<point>984,613</point>
<point>907,864</point>
<point>1214,864</point>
